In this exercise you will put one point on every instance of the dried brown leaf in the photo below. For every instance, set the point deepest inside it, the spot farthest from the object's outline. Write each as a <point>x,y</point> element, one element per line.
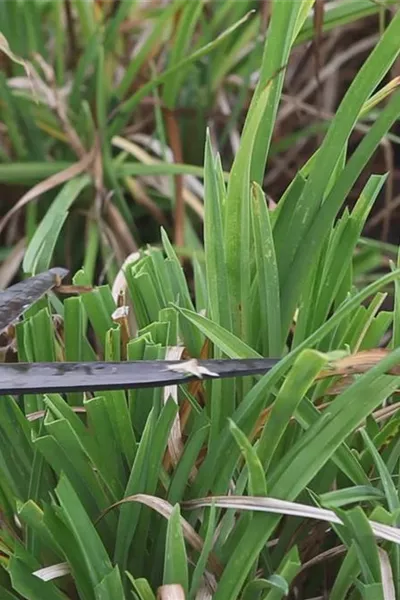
<point>5,48</point>
<point>10,265</point>
<point>121,316</point>
<point>165,509</point>
<point>284,507</point>
<point>49,184</point>
<point>140,196</point>
<point>120,229</point>
<point>195,388</point>
<point>120,284</point>
<point>53,572</point>
<point>360,362</point>
<point>39,414</point>
<point>174,135</point>
<point>389,592</point>
<point>170,592</point>
<point>175,443</point>
<point>193,367</point>
<point>161,183</point>
<point>60,108</point>
<point>73,289</point>
<point>326,555</point>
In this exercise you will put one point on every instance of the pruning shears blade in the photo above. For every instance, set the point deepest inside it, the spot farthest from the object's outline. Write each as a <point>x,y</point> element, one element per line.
<point>31,378</point>
<point>15,300</point>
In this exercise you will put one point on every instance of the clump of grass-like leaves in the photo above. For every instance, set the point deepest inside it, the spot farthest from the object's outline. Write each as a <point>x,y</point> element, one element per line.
<point>220,489</point>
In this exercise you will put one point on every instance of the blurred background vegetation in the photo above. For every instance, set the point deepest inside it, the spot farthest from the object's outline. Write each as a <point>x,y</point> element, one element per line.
<point>124,92</point>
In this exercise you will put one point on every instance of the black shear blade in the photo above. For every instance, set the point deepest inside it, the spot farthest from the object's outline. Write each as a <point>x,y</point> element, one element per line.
<point>23,378</point>
<point>15,300</point>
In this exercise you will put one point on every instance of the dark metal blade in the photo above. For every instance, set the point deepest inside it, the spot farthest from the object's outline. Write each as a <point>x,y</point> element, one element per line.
<point>24,378</point>
<point>15,300</point>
